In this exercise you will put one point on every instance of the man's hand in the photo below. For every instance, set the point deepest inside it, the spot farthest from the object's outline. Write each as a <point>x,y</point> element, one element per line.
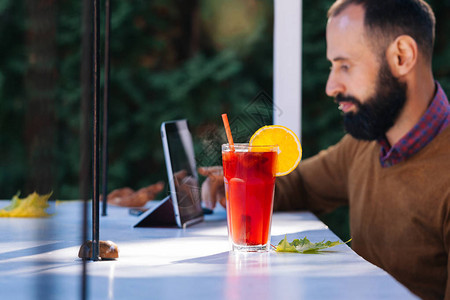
<point>213,189</point>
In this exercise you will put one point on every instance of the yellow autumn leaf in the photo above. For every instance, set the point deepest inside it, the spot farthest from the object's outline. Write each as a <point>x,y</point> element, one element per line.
<point>32,206</point>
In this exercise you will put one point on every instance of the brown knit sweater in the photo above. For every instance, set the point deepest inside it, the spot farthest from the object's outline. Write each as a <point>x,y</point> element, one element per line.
<point>399,216</point>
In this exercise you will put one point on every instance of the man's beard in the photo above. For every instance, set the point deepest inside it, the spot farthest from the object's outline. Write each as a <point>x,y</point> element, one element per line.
<point>378,114</point>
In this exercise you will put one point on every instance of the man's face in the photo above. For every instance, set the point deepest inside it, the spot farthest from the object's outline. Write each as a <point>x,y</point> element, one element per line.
<point>376,115</point>
<point>369,96</point>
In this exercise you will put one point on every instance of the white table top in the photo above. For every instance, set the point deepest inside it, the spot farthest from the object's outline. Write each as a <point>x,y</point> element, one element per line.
<point>38,260</point>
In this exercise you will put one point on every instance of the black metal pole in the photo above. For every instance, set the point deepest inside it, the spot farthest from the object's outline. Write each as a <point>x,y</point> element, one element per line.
<point>95,135</point>
<point>86,98</point>
<point>105,109</point>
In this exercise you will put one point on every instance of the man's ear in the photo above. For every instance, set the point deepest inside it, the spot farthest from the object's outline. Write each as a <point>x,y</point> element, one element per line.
<point>402,55</point>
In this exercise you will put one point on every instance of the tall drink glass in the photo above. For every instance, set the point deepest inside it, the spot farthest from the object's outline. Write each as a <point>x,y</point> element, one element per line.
<point>249,175</point>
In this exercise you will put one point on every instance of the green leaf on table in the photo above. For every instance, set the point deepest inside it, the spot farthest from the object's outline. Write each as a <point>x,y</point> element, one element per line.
<point>305,246</point>
<point>284,246</point>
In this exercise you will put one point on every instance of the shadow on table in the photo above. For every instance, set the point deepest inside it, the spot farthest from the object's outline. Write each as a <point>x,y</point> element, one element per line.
<point>41,249</point>
<point>219,258</point>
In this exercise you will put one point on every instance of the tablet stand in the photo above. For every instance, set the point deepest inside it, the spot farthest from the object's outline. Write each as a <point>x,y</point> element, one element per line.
<point>162,215</point>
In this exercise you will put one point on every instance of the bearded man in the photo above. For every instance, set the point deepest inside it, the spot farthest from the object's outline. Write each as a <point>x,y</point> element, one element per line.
<point>393,167</point>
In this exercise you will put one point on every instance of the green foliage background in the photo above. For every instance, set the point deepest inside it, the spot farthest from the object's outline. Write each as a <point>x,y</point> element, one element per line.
<point>161,70</point>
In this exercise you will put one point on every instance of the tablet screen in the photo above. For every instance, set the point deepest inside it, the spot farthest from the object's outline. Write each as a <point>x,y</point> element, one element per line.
<point>182,172</point>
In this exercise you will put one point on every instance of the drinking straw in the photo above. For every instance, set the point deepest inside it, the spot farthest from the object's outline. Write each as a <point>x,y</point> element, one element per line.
<point>228,131</point>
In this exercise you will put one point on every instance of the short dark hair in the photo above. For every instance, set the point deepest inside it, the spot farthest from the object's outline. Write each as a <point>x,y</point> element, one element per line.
<point>385,20</point>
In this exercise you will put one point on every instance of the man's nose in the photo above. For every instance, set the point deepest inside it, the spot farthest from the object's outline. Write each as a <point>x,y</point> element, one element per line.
<point>334,86</point>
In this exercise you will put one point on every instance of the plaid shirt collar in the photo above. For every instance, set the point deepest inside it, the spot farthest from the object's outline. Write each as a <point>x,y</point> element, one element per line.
<point>435,119</point>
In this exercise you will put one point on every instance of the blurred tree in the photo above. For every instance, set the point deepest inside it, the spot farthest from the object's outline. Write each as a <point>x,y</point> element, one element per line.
<point>321,120</point>
<point>12,97</point>
<point>40,87</point>
<point>169,59</point>
<point>176,72</point>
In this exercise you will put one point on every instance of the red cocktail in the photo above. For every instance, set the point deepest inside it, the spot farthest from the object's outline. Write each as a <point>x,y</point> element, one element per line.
<point>249,175</point>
